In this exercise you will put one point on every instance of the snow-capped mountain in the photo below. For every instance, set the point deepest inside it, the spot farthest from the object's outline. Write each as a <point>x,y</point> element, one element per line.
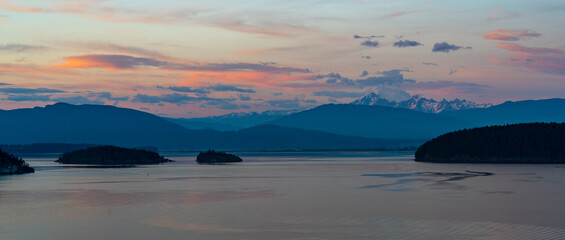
<point>383,96</point>
<point>395,97</point>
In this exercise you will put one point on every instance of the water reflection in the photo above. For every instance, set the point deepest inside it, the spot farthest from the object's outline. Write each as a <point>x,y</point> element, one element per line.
<point>286,196</point>
<point>404,180</point>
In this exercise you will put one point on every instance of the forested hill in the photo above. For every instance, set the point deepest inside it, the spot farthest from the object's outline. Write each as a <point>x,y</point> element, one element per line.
<point>517,143</point>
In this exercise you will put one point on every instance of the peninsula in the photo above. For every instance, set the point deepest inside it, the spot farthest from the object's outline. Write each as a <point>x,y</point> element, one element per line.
<point>516,143</point>
<point>10,164</point>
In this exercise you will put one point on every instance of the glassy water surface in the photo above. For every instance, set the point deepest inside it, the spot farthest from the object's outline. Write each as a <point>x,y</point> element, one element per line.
<point>325,195</point>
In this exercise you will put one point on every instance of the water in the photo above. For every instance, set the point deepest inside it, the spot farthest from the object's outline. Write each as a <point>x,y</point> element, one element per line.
<point>341,195</point>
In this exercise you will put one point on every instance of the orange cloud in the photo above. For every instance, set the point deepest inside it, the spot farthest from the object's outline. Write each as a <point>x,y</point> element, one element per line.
<point>112,62</point>
<point>509,35</point>
<point>19,8</point>
<point>32,70</point>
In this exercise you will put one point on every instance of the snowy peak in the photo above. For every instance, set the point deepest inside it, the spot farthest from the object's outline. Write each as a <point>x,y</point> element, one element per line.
<point>400,99</point>
<point>383,96</point>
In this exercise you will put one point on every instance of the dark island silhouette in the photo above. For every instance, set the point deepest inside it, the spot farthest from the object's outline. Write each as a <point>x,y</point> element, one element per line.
<point>516,143</point>
<point>213,157</point>
<point>10,164</point>
<point>111,155</point>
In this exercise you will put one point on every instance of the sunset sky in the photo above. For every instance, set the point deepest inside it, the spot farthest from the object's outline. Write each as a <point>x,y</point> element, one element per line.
<point>198,58</point>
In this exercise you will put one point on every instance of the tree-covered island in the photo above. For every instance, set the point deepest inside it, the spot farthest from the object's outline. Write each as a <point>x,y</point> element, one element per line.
<point>10,164</point>
<point>213,157</point>
<point>516,143</point>
<point>111,155</point>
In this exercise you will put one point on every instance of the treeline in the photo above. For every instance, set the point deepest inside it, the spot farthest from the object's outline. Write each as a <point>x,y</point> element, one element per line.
<point>43,148</point>
<point>212,156</point>
<point>111,155</point>
<point>516,143</point>
<point>10,164</point>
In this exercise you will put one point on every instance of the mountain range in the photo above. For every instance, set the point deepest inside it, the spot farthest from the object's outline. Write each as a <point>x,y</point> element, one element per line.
<point>231,121</point>
<point>398,98</point>
<point>373,121</point>
<point>104,125</point>
<point>330,126</point>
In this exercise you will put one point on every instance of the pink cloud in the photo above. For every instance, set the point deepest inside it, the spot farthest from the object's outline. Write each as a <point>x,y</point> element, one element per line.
<point>510,35</point>
<point>530,50</point>
<point>20,8</point>
<point>546,60</point>
<point>93,9</point>
<point>401,13</point>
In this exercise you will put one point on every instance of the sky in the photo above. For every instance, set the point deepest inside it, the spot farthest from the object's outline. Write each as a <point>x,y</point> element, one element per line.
<point>200,58</point>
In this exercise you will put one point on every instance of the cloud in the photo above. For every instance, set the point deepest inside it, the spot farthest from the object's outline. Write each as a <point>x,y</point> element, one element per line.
<point>497,15</point>
<point>18,48</point>
<point>123,62</point>
<point>77,100</point>
<point>510,35</point>
<point>529,50</point>
<point>392,77</point>
<point>460,87</point>
<point>336,78</point>
<point>368,37</point>
<point>29,98</point>
<point>111,47</point>
<point>206,90</point>
<point>364,73</point>
<point>289,103</point>
<point>406,43</point>
<point>539,59</point>
<point>370,43</point>
<point>232,106</point>
<point>207,16</point>
<point>29,90</point>
<point>20,8</point>
<point>446,47</point>
<point>174,98</point>
<point>229,88</point>
<point>4,84</point>
<point>109,96</point>
<point>243,97</point>
<point>400,13</point>
<point>429,63</point>
<point>338,94</point>
<point>33,70</point>
<point>109,62</point>
<point>185,89</point>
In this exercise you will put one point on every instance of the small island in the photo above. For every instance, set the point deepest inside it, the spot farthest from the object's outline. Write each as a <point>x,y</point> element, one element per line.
<point>10,164</point>
<point>516,143</point>
<point>213,157</point>
<point>111,155</point>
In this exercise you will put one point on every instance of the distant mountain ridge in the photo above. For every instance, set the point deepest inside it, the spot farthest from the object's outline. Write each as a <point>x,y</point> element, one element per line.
<point>398,98</point>
<point>109,125</point>
<point>373,121</point>
<point>528,111</point>
<point>89,124</point>
<point>326,127</point>
<point>232,121</point>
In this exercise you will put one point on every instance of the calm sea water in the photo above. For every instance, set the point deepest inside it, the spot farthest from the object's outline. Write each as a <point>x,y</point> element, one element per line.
<point>338,195</point>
